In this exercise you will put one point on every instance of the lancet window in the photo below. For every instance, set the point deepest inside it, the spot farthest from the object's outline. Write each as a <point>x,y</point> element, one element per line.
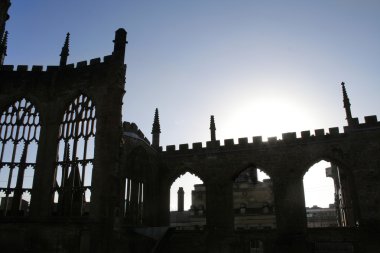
<point>19,135</point>
<point>134,201</point>
<point>72,191</point>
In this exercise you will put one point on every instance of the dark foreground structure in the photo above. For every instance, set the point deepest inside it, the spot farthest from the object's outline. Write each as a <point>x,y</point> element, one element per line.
<point>96,184</point>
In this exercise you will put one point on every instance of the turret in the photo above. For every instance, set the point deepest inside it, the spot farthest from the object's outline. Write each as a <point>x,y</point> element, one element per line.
<point>3,47</point>
<point>346,104</point>
<point>156,130</point>
<point>119,44</point>
<point>212,128</point>
<point>65,51</point>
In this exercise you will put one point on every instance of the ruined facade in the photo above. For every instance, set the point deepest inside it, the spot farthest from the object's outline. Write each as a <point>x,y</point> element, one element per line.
<point>100,186</point>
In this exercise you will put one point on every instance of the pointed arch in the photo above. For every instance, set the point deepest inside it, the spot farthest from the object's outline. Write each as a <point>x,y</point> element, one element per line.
<point>247,165</point>
<point>75,158</point>
<point>253,200</point>
<point>19,135</point>
<point>345,211</point>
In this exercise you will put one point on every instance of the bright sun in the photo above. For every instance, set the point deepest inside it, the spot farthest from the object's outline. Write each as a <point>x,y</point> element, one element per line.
<point>265,117</point>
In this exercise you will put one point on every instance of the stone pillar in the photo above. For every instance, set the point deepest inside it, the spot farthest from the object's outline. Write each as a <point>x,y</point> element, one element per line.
<point>290,203</point>
<point>151,204</point>
<point>105,180</point>
<point>106,175</point>
<point>43,181</point>
<point>181,199</point>
<point>164,204</point>
<point>290,213</point>
<point>219,214</point>
<point>219,205</point>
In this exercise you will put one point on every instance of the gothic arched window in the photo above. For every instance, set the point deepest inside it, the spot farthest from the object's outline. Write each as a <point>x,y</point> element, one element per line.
<point>72,191</point>
<point>19,134</point>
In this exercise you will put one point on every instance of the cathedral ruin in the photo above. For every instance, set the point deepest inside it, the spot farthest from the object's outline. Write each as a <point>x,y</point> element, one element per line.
<point>80,180</point>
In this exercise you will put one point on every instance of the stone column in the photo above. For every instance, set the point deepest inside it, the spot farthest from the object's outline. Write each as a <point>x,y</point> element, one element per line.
<point>219,205</point>
<point>290,213</point>
<point>105,178</point>
<point>164,204</point>
<point>43,181</point>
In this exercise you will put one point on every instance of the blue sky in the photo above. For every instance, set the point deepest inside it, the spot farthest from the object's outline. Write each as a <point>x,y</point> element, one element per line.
<point>261,67</point>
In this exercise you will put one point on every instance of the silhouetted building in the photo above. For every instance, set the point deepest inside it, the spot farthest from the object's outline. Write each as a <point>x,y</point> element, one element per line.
<point>100,186</point>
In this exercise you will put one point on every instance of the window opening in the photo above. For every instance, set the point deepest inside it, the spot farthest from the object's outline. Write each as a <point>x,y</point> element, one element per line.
<point>75,158</point>
<point>19,135</point>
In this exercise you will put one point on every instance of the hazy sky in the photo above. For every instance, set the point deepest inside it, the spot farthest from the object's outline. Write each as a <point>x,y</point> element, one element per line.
<point>261,67</point>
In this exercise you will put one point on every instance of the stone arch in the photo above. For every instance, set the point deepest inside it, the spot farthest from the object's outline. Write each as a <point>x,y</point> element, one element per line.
<point>344,187</point>
<point>181,216</point>
<point>327,157</point>
<point>6,102</point>
<point>66,101</point>
<point>174,174</point>
<point>242,167</point>
<point>253,200</point>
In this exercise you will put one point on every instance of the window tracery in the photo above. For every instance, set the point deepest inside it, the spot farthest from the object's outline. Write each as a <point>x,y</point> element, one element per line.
<point>19,135</point>
<point>72,191</point>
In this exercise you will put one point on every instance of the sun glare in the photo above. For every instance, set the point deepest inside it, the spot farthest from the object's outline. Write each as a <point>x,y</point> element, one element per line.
<point>266,117</point>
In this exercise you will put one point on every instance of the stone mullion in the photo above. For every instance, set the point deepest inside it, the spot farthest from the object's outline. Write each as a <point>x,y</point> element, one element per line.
<point>42,191</point>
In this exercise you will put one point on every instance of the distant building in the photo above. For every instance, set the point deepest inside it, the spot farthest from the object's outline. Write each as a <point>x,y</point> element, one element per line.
<point>253,205</point>
<point>321,217</point>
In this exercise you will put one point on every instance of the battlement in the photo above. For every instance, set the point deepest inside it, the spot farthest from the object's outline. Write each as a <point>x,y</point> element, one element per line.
<point>287,138</point>
<point>369,122</point>
<point>132,130</point>
<point>40,68</point>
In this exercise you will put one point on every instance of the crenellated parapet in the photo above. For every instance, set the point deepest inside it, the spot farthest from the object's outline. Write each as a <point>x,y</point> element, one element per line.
<point>290,138</point>
<point>54,68</point>
<point>370,122</point>
<point>50,82</point>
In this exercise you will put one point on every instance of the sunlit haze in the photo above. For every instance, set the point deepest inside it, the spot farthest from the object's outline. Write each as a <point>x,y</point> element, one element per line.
<point>261,67</point>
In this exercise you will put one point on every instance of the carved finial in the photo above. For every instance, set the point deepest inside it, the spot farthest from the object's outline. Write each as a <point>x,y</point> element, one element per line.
<point>65,51</point>
<point>3,47</point>
<point>156,130</point>
<point>346,104</point>
<point>212,128</point>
